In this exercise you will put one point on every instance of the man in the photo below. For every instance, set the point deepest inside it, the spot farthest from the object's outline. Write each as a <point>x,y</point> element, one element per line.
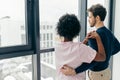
<point>98,70</point>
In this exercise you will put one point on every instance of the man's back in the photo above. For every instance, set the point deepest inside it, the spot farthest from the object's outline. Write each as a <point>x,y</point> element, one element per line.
<point>111,45</point>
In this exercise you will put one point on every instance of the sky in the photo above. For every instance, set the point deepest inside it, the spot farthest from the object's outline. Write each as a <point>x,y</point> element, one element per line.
<point>13,8</point>
<point>51,10</point>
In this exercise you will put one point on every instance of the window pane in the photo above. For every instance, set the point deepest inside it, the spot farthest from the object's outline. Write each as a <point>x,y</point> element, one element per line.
<point>48,70</point>
<point>50,12</point>
<point>12,23</point>
<point>19,68</point>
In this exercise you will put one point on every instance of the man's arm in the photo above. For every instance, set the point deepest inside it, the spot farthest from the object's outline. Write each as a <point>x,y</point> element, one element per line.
<point>84,67</point>
<point>69,71</point>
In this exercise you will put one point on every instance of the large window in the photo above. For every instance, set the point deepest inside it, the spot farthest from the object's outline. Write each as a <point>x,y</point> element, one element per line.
<point>24,54</point>
<point>50,12</point>
<point>16,26</point>
<point>18,41</point>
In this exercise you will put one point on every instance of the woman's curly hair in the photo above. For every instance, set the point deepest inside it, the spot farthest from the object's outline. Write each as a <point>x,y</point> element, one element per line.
<point>68,26</point>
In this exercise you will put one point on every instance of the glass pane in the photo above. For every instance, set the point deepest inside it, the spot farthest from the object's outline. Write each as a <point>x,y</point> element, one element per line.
<point>12,23</point>
<point>105,3</point>
<point>19,68</point>
<point>48,70</point>
<point>50,12</point>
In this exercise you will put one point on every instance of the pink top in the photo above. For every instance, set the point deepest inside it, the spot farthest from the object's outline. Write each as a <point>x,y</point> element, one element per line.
<point>73,54</point>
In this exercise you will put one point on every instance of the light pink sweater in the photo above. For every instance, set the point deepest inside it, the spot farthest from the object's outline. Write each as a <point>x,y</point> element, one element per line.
<point>73,54</point>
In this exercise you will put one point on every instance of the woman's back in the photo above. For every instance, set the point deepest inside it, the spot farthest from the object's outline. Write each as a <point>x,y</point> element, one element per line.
<point>72,54</point>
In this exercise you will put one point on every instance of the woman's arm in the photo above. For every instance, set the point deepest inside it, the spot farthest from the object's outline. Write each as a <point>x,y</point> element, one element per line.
<point>101,55</point>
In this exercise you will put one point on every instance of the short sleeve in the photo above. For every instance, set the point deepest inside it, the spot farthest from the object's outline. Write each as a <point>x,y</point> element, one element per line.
<point>116,46</point>
<point>88,54</point>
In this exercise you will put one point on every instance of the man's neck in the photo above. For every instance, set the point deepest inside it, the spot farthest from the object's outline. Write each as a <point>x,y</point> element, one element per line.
<point>99,25</point>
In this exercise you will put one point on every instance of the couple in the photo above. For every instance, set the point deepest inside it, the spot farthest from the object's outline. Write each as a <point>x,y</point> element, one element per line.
<point>79,57</point>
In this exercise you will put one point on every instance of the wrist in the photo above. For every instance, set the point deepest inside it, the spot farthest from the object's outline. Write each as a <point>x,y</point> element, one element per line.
<point>74,72</point>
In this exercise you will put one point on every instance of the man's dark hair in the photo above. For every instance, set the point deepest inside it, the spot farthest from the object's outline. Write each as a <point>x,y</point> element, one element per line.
<point>68,26</point>
<point>98,10</point>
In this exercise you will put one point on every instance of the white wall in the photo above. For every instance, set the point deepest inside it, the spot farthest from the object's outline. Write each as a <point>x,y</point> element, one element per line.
<point>116,58</point>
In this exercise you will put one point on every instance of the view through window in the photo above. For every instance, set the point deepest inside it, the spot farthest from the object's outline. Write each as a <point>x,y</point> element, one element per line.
<point>19,68</point>
<point>12,23</point>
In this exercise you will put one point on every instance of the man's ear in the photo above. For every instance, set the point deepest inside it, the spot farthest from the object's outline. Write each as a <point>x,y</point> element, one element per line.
<point>98,18</point>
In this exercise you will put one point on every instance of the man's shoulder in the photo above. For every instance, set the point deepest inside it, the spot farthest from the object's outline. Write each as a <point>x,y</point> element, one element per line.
<point>101,30</point>
<point>104,32</point>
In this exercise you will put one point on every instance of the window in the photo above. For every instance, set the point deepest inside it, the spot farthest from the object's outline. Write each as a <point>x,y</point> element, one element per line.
<point>15,20</point>
<point>19,36</point>
<point>50,11</point>
<point>18,31</point>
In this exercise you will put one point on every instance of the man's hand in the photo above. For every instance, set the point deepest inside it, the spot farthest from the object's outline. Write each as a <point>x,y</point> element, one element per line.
<point>68,71</point>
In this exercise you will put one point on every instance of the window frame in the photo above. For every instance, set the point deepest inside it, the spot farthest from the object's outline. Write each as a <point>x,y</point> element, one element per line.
<point>33,46</point>
<point>32,32</point>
